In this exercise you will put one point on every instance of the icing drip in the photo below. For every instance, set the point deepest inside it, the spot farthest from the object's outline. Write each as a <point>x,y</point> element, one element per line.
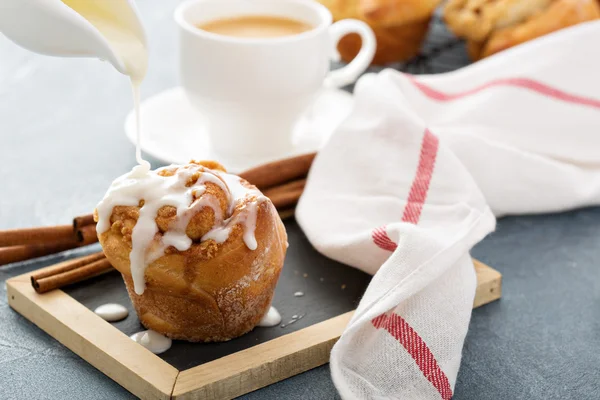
<point>153,341</point>
<point>158,191</point>
<point>111,312</point>
<point>271,318</point>
<point>246,217</point>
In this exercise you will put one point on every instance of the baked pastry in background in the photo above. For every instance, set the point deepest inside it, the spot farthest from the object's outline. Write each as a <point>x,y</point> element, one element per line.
<point>490,26</point>
<point>400,26</point>
<point>200,250</point>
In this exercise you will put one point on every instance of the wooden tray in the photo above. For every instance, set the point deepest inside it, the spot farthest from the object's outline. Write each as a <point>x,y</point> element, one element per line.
<point>215,370</point>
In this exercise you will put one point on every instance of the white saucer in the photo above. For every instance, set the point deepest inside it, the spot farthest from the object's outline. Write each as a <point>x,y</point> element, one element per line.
<point>173,132</point>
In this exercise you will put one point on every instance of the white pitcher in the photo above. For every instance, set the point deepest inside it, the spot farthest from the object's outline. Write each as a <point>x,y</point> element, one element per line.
<point>76,28</point>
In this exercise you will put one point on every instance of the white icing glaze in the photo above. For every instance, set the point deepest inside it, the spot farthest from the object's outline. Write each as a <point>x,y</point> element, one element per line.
<point>158,191</point>
<point>153,341</point>
<point>247,217</point>
<point>271,318</point>
<point>112,312</point>
<point>237,190</point>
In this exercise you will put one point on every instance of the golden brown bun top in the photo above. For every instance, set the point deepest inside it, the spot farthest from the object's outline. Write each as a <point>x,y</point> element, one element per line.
<point>497,25</point>
<point>214,287</point>
<point>117,240</point>
<point>382,12</point>
<point>124,218</point>
<point>477,19</point>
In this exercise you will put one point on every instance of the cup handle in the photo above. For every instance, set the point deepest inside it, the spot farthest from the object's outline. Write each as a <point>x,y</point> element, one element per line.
<point>350,73</point>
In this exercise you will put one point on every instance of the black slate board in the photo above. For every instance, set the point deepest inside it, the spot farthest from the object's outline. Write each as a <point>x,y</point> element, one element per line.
<point>329,288</point>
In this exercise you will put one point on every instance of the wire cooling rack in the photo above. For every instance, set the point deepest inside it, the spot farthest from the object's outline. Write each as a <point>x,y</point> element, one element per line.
<point>441,52</point>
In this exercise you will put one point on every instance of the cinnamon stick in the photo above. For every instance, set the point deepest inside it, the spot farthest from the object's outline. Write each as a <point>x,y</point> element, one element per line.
<point>286,212</point>
<point>278,172</point>
<point>282,200</point>
<point>83,220</point>
<point>24,252</point>
<point>36,236</point>
<point>87,235</point>
<point>80,273</point>
<point>67,266</point>
<point>298,184</point>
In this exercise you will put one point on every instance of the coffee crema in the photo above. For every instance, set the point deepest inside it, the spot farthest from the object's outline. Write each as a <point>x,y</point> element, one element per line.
<point>255,26</point>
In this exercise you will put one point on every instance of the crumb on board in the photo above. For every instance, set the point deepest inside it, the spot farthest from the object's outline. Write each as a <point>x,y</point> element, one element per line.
<point>299,294</point>
<point>343,286</point>
<point>295,318</point>
<point>305,275</point>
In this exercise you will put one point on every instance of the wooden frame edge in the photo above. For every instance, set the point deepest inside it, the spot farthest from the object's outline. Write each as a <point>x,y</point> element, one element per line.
<point>263,364</point>
<point>93,339</point>
<point>489,284</point>
<point>231,376</point>
<point>148,376</point>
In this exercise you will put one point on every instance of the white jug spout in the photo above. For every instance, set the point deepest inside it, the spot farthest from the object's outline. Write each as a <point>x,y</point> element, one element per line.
<point>53,28</point>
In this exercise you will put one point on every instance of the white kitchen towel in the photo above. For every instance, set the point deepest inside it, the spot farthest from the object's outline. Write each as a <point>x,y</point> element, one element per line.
<point>412,180</point>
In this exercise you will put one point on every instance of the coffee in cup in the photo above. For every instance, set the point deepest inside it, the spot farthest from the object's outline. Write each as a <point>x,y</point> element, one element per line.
<point>256,26</point>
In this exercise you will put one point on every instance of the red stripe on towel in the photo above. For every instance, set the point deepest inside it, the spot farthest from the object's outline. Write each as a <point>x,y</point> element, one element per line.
<point>418,191</point>
<point>420,185</point>
<point>525,83</point>
<point>418,350</point>
<point>381,239</point>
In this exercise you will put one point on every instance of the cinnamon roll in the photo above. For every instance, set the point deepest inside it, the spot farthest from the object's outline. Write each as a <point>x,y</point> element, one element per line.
<point>200,250</point>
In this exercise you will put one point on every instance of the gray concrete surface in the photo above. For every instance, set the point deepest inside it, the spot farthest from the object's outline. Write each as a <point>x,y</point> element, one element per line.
<point>62,142</point>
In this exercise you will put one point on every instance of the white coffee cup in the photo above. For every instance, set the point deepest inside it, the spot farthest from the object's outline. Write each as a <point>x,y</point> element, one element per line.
<point>252,91</point>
